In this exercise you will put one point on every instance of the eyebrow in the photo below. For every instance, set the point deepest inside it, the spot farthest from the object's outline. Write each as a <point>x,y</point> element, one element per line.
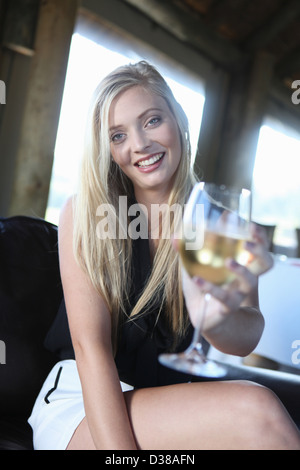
<point>149,110</point>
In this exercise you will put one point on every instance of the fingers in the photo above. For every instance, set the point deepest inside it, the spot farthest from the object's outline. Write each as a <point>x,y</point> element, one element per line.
<point>230,296</point>
<point>233,294</point>
<point>230,299</point>
<point>245,280</point>
<point>262,259</point>
<point>246,277</point>
<point>259,235</point>
<point>260,248</point>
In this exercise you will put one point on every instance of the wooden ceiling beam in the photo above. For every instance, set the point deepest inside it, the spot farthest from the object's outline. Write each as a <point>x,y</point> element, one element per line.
<point>268,31</point>
<point>289,64</point>
<point>190,29</point>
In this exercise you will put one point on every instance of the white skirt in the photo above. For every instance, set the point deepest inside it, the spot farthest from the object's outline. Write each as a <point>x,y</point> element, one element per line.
<point>59,408</point>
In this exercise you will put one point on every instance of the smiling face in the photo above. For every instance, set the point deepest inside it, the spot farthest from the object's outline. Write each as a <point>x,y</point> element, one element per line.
<point>144,139</point>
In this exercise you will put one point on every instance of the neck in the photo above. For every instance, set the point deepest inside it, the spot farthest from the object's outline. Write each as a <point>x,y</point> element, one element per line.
<point>147,198</point>
<point>155,203</point>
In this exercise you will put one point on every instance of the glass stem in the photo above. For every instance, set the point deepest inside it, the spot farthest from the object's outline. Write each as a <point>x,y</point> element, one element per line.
<point>197,338</point>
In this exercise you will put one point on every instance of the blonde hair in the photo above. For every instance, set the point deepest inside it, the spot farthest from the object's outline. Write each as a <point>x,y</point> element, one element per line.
<point>108,261</point>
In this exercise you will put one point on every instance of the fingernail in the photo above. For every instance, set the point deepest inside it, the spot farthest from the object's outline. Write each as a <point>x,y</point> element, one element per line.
<point>233,263</point>
<point>198,280</point>
<point>250,245</point>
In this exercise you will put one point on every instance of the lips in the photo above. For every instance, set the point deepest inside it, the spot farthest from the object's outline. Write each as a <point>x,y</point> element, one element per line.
<point>148,161</point>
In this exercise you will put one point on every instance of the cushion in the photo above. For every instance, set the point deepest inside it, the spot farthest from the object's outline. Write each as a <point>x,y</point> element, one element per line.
<point>30,293</point>
<point>15,434</point>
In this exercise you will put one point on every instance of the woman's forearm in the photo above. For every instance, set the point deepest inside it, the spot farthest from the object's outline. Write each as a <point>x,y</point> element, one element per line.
<point>104,402</point>
<point>239,333</point>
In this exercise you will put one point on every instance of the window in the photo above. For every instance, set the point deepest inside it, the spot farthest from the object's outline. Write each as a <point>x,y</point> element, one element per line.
<point>276,182</point>
<point>88,63</point>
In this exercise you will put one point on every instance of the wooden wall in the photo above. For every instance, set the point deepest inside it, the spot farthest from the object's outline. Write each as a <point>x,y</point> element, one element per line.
<point>35,42</point>
<point>33,65</point>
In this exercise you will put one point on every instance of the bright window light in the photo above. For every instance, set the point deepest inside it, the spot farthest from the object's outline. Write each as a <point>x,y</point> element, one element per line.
<point>276,182</point>
<point>88,63</point>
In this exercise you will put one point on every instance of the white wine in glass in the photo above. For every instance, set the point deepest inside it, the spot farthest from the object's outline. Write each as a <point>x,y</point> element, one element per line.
<point>219,234</point>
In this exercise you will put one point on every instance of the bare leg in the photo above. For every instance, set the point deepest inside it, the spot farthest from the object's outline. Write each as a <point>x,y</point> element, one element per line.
<point>82,439</point>
<point>212,415</point>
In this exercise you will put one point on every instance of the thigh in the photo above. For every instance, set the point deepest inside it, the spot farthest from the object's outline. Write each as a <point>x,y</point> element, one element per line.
<point>185,416</point>
<point>210,415</point>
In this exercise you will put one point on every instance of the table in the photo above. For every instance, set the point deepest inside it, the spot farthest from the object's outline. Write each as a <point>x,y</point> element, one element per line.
<point>279,293</point>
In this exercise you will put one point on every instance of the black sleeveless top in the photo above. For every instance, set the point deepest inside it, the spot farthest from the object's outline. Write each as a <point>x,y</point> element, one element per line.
<point>141,339</point>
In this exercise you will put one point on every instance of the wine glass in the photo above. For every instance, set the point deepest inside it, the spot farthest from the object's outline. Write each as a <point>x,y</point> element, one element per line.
<point>215,227</point>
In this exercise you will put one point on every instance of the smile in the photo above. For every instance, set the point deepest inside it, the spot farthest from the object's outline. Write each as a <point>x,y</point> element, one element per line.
<point>150,161</point>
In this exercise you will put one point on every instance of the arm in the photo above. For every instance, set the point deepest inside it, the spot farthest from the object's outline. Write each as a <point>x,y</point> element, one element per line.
<point>233,322</point>
<point>232,326</point>
<point>90,327</point>
<point>236,331</point>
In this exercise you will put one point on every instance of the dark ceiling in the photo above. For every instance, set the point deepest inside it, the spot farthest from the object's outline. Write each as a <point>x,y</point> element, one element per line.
<point>231,31</point>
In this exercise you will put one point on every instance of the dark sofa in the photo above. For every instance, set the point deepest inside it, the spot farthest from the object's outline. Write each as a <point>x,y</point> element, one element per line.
<point>30,294</point>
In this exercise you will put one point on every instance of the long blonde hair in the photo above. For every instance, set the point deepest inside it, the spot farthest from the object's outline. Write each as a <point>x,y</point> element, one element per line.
<point>108,261</point>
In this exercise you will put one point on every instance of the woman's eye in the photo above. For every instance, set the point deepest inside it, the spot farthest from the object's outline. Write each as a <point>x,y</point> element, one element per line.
<point>116,137</point>
<point>154,121</point>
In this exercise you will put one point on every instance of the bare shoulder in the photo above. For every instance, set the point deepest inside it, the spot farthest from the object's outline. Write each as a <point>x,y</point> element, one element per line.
<point>66,215</point>
<point>80,294</point>
<point>66,231</point>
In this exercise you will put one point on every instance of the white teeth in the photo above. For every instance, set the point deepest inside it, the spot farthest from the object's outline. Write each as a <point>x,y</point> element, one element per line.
<point>151,160</point>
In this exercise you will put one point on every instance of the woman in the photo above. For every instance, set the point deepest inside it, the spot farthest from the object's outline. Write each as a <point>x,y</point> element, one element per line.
<point>125,303</point>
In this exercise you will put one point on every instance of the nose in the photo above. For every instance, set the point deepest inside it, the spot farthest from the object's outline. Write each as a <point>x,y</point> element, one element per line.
<point>140,141</point>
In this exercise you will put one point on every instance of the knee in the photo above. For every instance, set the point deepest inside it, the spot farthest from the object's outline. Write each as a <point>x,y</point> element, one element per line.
<point>268,425</point>
<point>258,402</point>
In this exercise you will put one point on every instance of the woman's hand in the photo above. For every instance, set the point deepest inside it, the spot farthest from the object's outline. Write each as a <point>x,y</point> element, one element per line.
<point>227,300</point>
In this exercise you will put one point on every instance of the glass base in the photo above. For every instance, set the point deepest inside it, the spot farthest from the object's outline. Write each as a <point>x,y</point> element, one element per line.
<point>191,362</point>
